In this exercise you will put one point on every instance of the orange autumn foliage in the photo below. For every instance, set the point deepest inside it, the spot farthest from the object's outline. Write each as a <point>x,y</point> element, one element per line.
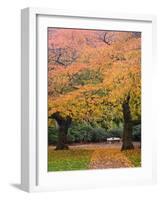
<point>99,78</point>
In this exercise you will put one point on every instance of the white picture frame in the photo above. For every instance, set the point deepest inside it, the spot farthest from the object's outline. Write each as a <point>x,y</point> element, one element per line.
<point>34,22</point>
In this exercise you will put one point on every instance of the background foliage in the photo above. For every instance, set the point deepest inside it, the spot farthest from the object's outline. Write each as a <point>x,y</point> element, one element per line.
<point>85,133</point>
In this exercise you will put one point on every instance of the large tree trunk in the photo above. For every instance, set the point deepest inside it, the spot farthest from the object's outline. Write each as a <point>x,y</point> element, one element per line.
<point>63,125</point>
<point>128,125</point>
<point>62,139</point>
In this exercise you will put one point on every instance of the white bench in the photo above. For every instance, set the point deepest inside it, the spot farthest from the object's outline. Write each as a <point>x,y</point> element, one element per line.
<point>113,140</point>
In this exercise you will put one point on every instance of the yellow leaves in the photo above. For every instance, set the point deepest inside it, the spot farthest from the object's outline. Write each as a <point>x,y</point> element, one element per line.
<point>103,158</point>
<point>118,64</point>
<point>134,156</point>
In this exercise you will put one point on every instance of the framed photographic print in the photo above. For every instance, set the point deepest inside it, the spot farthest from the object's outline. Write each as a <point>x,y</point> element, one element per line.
<point>86,99</point>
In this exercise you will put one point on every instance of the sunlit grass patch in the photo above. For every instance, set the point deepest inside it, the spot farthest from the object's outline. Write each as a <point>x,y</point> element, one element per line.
<point>72,159</point>
<point>134,156</point>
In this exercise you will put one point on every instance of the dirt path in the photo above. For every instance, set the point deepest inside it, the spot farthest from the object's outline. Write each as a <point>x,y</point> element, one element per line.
<point>102,145</point>
<point>111,158</point>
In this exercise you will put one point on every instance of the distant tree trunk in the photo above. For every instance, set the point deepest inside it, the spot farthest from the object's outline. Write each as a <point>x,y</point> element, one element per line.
<point>128,125</point>
<point>63,125</point>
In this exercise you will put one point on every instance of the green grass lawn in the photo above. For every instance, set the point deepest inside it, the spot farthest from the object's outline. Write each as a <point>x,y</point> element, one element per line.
<point>72,159</point>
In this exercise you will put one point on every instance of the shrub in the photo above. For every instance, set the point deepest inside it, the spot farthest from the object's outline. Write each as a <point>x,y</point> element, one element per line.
<point>137,133</point>
<point>117,132</point>
<point>84,132</point>
<point>52,135</point>
<point>98,134</point>
<point>79,132</point>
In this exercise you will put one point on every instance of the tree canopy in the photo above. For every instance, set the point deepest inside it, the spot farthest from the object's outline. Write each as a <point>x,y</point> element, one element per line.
<point>92,73</point>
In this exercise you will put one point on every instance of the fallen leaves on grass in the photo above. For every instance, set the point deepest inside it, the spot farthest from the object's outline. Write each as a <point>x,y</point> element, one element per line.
<point>134,156</point>
<point>81,157</point>
<point>109,158</point>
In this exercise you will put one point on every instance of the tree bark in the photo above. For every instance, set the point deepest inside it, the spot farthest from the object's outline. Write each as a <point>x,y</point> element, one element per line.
<point>62,139</point>
<point>128,125</point>
<point>63,125</point>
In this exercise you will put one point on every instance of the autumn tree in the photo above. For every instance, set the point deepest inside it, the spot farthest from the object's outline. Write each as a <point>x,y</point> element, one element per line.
<point>103,82</point>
